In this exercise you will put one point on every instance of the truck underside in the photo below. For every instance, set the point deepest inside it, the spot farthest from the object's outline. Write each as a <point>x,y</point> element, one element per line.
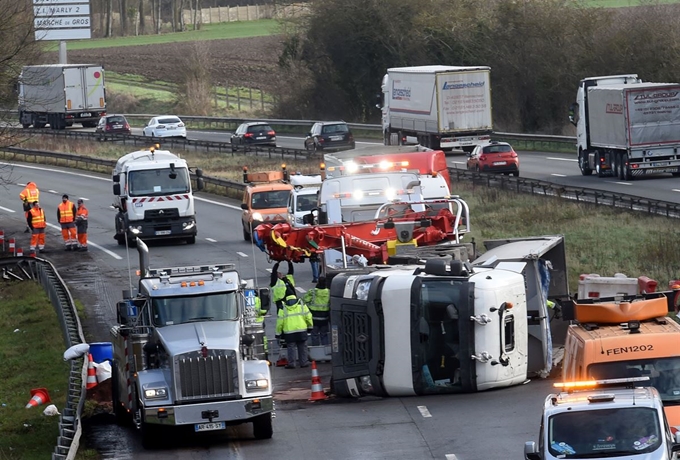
<point>59,120</point>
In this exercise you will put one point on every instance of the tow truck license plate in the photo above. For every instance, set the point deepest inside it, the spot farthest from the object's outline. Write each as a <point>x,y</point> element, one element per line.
<point>163,232</point>
<point>209,426</point>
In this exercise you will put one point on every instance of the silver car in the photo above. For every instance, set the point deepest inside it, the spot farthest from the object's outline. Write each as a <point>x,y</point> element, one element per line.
<point>165,126</point>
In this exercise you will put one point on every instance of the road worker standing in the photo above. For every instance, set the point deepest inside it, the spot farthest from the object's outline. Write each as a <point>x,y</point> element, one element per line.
<point>28,195</point>
<point>66,214</point>
<point>317,300</point>
<point>81,225</point>
<point>292,323</point>
<point>36,222</point>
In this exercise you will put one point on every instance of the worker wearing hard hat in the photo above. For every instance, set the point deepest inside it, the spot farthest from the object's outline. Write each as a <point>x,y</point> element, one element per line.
<point>293,323</point>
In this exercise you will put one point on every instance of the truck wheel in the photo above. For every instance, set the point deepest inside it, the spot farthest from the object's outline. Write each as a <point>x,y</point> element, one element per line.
<point>583,163</point>
<point>122,416</point>
<point>625,168</point>
<point>151,436</point>
<point>25,125</point>
<point>262,426</point>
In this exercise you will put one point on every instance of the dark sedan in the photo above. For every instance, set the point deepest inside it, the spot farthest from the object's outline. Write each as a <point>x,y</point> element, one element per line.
<point>254,133</point>
<point>112,124</point>
<point>326,135</point>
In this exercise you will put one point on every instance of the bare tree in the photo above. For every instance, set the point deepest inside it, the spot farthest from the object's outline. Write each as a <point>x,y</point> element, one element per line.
<point>195,88</point>
<point>109,18</point>
<point>142,19</point>
<point>18,49</point>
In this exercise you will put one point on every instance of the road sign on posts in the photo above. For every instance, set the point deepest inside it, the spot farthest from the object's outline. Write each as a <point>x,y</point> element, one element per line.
<point>62,19</point>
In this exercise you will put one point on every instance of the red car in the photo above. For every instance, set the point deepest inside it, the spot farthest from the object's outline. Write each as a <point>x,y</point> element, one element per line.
<point>494,157</point>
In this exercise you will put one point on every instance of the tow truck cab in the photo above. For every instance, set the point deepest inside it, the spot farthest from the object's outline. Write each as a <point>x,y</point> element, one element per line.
<point>265,199</point>
<point>623,337</point>
<point>604,419</point>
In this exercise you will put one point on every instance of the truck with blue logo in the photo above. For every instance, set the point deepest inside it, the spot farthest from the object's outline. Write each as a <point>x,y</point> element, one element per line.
<point>187,353</point>
<point>437,106</point>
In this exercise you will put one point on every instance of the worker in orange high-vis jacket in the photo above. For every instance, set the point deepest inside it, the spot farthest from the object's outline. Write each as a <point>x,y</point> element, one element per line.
<point>36,222</point>
<point>28,195</point>
<point>81,225</point>
<point>66,213</point>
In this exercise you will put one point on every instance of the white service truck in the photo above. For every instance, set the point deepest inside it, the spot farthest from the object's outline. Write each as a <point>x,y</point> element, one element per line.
<point>443,325</point>
<point>60,95</point>
<point>303,199</point>
<point>153,195</point>
<point>627,128</point>
<point>444,107</point>
<point>185,353</point>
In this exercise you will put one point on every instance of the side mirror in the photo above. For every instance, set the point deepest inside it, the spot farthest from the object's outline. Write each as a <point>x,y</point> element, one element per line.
<point>531,451</point>
<point>244,206</point>
<point>309,134</point>
<point>116,189</point>
<point>573,113</point>
<point>128,311</point>
<point>265,298</point>
<point>116,177</point>
<point>200,184</point>
<point>677,439</point>
<point>199,172</point>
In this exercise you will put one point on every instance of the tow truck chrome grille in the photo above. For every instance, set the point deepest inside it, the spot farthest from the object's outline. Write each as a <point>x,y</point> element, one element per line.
<point>356,338</point>
<point>205,378</point>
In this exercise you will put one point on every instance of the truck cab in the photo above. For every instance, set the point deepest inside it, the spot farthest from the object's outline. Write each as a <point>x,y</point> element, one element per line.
<point>604,419</point>
<point>624,337</point>
<point>265,199</point>
<point>303,199</point>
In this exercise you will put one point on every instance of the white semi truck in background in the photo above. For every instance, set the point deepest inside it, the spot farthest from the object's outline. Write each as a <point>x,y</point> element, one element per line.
<point>443,107</point>
<point>153,195</point>
<point>442,325</point>
<point>60,95</point>
<point>185,353</point>
<point>627,128</point>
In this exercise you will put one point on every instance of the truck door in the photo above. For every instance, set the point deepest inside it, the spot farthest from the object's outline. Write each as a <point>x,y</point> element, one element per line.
<point>74,88</point>
<point>94,94</point>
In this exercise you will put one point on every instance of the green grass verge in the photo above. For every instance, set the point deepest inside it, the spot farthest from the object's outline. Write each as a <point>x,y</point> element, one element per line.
<point>31,348</point>
<point>624,3</point>
<point>221,31</point>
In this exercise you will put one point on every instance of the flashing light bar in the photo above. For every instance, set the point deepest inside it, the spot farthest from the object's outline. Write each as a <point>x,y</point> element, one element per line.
<point>595,383</point>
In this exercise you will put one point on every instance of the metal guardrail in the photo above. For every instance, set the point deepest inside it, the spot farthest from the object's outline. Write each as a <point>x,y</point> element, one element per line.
<point>16,269</point>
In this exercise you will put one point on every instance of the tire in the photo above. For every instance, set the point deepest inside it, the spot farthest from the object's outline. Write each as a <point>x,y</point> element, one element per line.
<point>151,435</point>
<point>308,147</point>
<point>598,169</point>
<point>122,416</point>
<point>246,235</point>
<point>262,426</point>
<point>191,240</point>
<point>625,168</point>
<point>583,163</point>
<point>25,125</point>
<point>516,173</point>
<point>615,165</point>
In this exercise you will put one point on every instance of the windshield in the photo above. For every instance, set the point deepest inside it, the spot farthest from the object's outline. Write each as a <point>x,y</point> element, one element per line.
<point>663,373</point>
<point>604,433</point>
<point>501,148</point>
<point>156,182</point>
<point>270,200</point>
<point>177,310</point>
<point>436,335</point>
<point>305,203</point>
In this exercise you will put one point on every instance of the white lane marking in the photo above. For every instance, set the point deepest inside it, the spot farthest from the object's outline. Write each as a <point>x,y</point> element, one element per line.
<point>269,270</point>
<point>19,183</point>
<point>561,159</point>
<point>424,412</point>
<point>90,243</point>
<point>55,170</point>
<point>451,457</point>
<point>53,191</point>
<point>211,240</point>
<point>675,190</point>
<point>623,183</point>
<point>242,254</point>
<point>300,290</point>
<point>7,209</point>
<point>558,175</point>
<point>83,198</point>
<point>205,200</point>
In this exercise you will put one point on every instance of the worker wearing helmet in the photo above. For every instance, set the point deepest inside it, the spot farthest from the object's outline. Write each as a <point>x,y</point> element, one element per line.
<point>293,323</point>
<point>318,301</point>
<point>282,285</point>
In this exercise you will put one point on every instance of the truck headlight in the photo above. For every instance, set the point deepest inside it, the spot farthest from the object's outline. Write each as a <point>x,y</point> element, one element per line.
<point>366,385</point>
<point>257,216</point>
<point>156,393</point>
<point>259,384</point>
<point>188,225</point>
<point>135,229</point>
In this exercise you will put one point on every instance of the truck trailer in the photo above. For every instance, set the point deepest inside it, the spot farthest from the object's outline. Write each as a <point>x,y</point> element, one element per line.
<point>626,128</point>
<point>444,107</point>
<point>60,95</point>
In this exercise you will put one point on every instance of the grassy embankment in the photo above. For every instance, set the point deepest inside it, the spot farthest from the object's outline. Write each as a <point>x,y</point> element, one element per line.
<point>31,348</point>
<point>160,96</point>
<point>598,239</point>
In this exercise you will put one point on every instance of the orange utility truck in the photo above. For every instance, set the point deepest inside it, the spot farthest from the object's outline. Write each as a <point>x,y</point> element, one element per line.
<point>265,199</point>
<point>626,336</point>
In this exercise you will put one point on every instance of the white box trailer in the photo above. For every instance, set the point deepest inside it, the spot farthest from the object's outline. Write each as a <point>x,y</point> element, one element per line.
<point>444,107</point>
<point>61,95</point>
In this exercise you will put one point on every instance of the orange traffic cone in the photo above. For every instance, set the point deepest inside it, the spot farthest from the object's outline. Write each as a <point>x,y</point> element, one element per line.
<point>317,388</point>
<point>91,381</point>
<point>39,396</point>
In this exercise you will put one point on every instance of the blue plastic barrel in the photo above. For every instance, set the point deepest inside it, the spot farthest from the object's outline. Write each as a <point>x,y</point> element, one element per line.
<point>101,351</point>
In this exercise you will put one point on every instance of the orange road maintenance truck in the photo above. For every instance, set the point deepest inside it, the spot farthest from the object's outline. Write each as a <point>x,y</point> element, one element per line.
<point>265,199</point>
<point>626,336</point>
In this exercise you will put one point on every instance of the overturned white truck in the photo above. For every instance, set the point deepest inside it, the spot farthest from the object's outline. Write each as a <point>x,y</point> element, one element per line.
<point>442,325</point>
